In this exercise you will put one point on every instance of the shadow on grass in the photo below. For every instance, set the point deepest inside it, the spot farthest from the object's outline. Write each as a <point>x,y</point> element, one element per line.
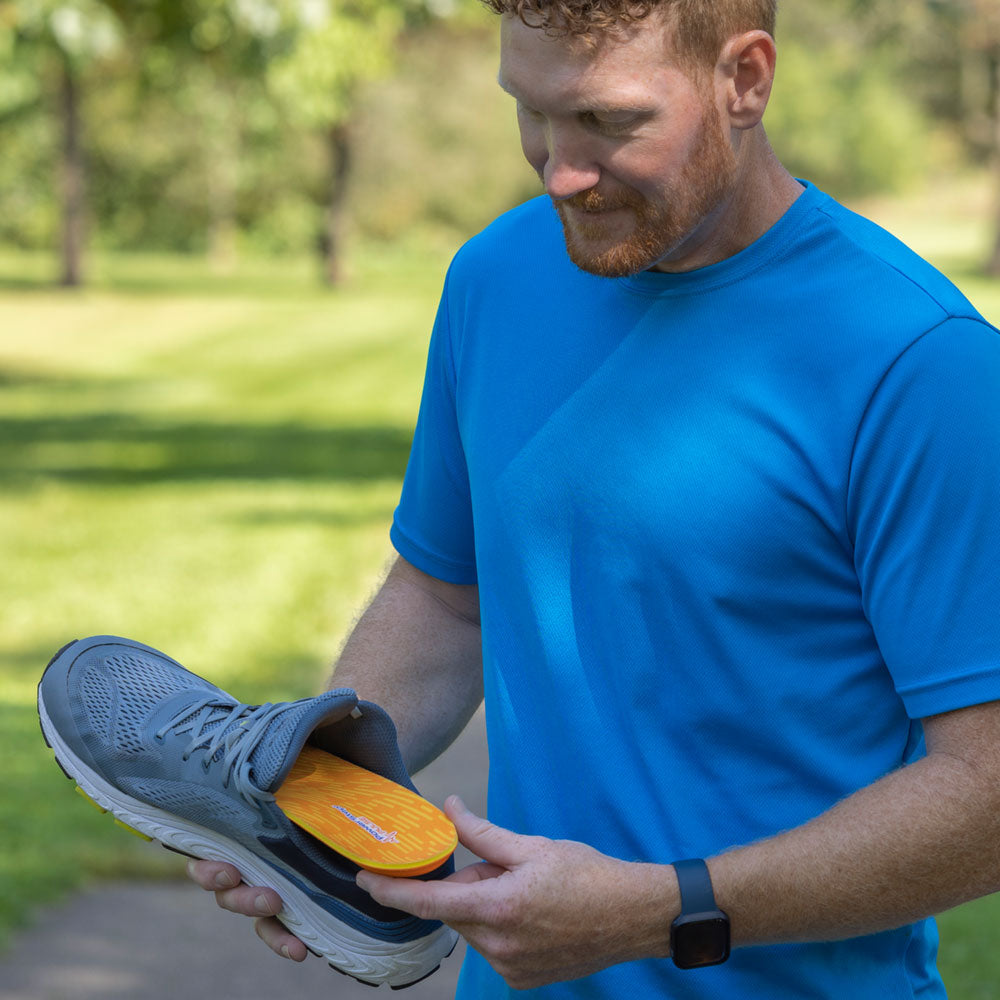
<point>25,283</point>
<point>30,661</point>
<point>110,449</point>
<point>11,379</point>
<point>369,514</point>
<point>143,274</point>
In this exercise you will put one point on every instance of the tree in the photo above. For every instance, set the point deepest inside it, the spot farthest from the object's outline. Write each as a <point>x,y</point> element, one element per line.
<point>839,114</point>
<point>982,35</point>
<point>314,56</point>
<point>336,51</point>
<point>215,54</point>
<point>939,58</point>
<point>60,43</point>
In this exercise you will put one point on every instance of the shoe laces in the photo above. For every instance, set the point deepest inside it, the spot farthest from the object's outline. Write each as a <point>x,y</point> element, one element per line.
<point>229,734</point>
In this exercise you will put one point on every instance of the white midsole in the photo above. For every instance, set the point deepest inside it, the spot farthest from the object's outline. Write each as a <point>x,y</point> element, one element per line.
<point>348,949</point>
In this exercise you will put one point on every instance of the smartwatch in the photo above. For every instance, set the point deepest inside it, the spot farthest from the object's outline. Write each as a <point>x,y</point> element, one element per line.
<point>700,934</point>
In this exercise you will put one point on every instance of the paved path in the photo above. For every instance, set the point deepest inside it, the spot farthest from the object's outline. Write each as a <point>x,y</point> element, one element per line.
<point>169,941</point>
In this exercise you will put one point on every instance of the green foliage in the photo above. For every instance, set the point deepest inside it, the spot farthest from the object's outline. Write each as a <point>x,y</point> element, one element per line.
<point>318,79</point>
<point>853,100</point>
<point>844,123</point>
<point>83,31</point>
<point>205,121</point>
<point>436,151</point>
<point>211,127</point>
<point>28,213</point>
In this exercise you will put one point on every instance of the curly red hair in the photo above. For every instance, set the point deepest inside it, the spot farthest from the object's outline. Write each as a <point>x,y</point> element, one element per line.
<point>701,27</point>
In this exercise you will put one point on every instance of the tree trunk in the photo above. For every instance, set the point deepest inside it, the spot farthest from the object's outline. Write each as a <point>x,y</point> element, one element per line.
<point>335,216</point>
<point>73,182</point>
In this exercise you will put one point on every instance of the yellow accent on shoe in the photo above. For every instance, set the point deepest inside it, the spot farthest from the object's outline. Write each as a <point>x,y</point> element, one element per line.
<point>80,791</point>
<point>131,830</point>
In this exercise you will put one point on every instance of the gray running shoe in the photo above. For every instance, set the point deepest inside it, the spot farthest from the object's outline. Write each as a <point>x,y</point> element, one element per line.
<point>178,760</point>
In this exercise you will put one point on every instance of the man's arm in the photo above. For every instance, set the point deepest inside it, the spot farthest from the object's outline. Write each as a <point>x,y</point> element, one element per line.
<point>920,840</point>
<point>417,652</point>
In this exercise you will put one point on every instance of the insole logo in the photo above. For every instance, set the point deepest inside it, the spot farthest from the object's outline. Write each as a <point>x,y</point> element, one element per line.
<point>372,829</point>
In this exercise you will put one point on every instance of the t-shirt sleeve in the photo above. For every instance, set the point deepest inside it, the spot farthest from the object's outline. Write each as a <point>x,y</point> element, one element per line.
<point>924,511</point>
<point>432,526</point>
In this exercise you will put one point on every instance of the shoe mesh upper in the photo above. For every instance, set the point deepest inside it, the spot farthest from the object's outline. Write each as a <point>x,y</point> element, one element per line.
<point>270,755</point>
<point>142,682</point>
<point>98,701</point>
<point>202,805</point>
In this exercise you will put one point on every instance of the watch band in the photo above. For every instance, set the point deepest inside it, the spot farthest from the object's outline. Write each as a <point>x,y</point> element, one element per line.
<point>696,886</point>
<point>700,934</point>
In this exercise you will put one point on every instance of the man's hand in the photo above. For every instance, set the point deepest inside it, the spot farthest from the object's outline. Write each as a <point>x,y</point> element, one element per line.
<point>540,910</point>
<point>262,904</point>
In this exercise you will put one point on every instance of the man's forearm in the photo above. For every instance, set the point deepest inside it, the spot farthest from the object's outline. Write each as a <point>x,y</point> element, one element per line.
<point>919,841</point>
<point>417,652</point>
<point>539,910</point>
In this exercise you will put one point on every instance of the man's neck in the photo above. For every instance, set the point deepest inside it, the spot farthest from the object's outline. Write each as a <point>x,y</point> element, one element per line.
<point>764,190</point>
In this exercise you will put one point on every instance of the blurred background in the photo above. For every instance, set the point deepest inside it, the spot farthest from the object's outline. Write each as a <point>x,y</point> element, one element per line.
<point>224,225</point>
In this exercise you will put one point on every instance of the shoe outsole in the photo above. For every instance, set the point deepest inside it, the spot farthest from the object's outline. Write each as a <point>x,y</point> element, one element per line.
<point>345,951</point>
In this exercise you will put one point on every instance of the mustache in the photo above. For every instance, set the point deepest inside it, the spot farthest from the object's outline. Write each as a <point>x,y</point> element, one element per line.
<point>592,201</point>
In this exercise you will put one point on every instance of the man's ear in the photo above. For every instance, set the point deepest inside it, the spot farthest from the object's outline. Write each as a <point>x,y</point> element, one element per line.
<point>746,72</point>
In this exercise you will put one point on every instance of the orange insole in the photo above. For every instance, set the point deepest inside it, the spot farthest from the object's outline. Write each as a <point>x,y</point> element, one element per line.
<point>376,823</point>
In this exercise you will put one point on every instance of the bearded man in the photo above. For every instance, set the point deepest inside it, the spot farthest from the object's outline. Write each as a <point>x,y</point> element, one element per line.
<point>705,497</point>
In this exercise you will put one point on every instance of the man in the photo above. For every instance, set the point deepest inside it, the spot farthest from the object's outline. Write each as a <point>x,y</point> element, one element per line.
<point>705,495</point>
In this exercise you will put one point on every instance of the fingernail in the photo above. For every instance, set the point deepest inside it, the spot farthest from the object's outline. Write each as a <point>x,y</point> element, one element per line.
<point>285,951</point>
<point>224,880</point>
<point>261,905</point>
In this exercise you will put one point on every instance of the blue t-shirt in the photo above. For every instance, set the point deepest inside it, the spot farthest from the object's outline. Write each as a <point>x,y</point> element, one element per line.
<point>736,531</point>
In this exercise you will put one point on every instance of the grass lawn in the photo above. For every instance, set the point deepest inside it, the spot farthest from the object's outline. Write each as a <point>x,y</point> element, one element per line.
<point>209,464</point>
<point>206,465</point>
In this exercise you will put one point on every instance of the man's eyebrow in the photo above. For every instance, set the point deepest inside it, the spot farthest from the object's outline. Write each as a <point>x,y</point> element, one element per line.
<point>594,107</point>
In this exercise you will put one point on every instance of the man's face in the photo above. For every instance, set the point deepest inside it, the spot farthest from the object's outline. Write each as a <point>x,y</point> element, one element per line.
<point>629,146</point>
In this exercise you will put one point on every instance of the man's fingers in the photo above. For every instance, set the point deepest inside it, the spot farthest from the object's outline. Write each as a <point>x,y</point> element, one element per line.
<point>274,934</point>
<point>231,893</point>
<point>213,875</point>
<point>251,901</point>
<point>492,843</point>
<point>457,899</point>
<point>478,872</point>
<point>446,901</point>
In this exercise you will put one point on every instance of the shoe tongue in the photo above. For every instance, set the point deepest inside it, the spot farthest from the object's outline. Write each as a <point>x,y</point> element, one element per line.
<point>284,738</point>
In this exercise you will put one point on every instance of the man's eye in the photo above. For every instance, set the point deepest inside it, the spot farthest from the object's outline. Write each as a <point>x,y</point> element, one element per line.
<point>610,126</point>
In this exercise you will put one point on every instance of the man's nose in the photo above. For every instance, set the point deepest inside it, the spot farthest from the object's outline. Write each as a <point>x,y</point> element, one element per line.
<point>569,169</point>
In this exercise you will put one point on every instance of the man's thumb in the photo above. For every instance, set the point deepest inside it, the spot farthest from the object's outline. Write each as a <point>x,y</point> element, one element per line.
<point>487,840</point>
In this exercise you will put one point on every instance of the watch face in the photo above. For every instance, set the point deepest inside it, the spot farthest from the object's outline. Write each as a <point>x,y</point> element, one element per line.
<point>700,942</point>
